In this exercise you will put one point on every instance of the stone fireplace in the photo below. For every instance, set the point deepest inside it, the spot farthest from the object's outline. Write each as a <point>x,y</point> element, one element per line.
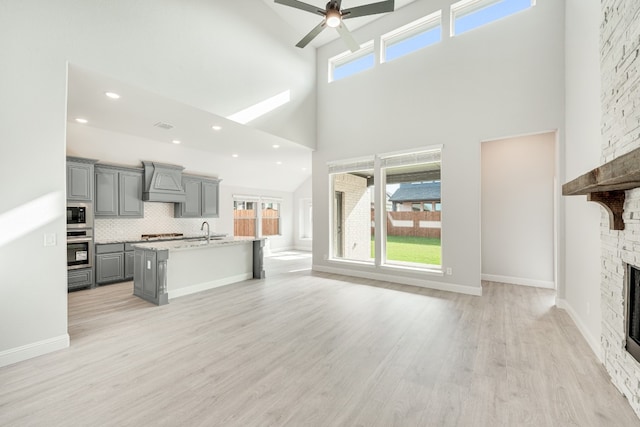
<point>632,312</point>
<point>615,186</point>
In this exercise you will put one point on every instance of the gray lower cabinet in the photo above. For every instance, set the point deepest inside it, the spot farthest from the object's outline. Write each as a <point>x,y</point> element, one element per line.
<point>150,276</point>
<point>202,198</point>
<point>81,278</point>
<point>128,265</point>
<point>118,192</point>
<point>114,263</point>
<point>80,179</point>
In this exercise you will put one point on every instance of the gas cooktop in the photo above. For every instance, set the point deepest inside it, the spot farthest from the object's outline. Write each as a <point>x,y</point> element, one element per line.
<point>161,236</point>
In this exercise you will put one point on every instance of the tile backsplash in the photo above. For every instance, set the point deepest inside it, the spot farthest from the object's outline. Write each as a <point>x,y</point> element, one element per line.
<point>158,218</point>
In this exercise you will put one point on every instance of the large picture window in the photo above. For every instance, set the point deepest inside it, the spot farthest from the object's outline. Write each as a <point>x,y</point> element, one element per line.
<point>412,233</point>
<point>403,221</point>
<point>352,188</point>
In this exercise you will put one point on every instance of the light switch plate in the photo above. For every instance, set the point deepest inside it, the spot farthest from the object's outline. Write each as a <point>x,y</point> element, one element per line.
<point>50,239</point>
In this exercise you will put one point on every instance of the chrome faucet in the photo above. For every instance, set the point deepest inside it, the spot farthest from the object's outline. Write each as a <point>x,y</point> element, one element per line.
<point>202,228</point>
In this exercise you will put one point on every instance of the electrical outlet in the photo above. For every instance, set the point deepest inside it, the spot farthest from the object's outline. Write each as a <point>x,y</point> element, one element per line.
<point>449,271</point>
<point>588,308</point>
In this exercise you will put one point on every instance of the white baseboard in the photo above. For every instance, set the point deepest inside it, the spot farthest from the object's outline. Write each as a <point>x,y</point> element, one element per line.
<point>519,281</point>
<point>591,340</point>
<point>18,354</point>
<point>403,280</point>
<point>209,285</point>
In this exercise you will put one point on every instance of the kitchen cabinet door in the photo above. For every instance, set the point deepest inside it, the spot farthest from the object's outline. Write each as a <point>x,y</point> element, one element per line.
<point>192,207</point>
<point>149,285</point>
<point>129,263</point>
<point>109,267</point>
<point>106,203</point>
<point>210,199</point>
<point>130,195</point>
<point>82,278</point>
<point>79,181</point>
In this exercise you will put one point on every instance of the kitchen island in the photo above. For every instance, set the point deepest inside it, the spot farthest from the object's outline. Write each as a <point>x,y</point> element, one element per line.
<point>166,270</point>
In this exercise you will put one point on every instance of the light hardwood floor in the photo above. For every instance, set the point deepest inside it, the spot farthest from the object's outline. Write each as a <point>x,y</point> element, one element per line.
<point>311,349</point>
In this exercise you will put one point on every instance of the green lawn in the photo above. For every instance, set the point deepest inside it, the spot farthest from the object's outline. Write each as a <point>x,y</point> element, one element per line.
<point>420,250</point>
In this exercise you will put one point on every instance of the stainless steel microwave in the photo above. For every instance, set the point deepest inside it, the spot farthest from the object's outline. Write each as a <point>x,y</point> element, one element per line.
<point>79,215</point>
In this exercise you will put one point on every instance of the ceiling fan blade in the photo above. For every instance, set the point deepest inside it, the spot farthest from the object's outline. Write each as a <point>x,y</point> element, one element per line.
<point>312,35</point>
<point>302,6</point>
<point>368,9</point>
<point>347,37</point>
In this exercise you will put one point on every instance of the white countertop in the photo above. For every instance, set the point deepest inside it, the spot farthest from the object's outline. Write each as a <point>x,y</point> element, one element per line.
<point>178,245</point>
<point>164,239</point>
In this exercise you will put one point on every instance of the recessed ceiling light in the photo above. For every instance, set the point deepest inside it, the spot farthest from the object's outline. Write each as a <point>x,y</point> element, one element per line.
<point>304,169</point>
<point>278,163</point>
<point>175,141</point>
<point>112,95</point>
<point>234,155</point>
<point>216,127</point>
<point>276,146</point>
<point>81,120</point>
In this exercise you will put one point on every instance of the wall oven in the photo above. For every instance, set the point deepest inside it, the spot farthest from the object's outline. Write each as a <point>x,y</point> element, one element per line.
<point>79,248</point>
<point>79,215</point>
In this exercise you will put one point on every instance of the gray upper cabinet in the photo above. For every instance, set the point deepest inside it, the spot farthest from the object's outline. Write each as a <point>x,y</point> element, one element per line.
<point>210,198</point>
<point>80,179</point>
<point>192,207</point>
<point>106,203</point>
<point>202,198</point>
<point>118,192</point>
<point>131,204</point>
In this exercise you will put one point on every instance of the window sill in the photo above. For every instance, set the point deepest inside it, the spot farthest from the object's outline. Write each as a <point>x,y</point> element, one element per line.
<point>396,267</point>
<point>351,261</point>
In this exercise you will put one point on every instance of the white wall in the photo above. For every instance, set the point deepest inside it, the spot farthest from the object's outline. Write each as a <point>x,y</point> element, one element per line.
<point>518,177</point>
<point>216,56</point>
<point>301,200</point>
<point>504,79</point>
<point>581,296</point>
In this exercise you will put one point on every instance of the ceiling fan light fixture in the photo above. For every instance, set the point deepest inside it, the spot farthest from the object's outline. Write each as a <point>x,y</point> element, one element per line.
<point>334,18</point>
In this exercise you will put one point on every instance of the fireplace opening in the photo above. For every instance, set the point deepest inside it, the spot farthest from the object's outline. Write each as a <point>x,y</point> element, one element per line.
<point>633,312</point>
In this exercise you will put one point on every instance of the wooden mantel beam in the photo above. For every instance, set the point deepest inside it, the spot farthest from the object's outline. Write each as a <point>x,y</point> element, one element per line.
<point>613,202</point>
<point>606,185</point>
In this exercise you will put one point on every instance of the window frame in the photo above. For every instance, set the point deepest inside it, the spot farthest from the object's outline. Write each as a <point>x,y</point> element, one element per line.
<point>463,8</point>
<point>344,167</point>
<point>259,201</point>
<point>347,57</point>
<point>414,28</point>
<point>263,202</point>
<point>380,212</point>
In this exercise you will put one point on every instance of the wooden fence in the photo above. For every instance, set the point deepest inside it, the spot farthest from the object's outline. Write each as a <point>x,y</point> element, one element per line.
<point>244,222</point>
<point>419,224</point>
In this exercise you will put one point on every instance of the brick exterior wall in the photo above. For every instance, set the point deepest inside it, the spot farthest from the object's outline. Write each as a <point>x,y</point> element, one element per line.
<point>357,216</point>
<point>620,68</point>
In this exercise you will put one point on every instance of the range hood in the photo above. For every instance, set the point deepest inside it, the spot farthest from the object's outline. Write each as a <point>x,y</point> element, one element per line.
<point>163,183</point>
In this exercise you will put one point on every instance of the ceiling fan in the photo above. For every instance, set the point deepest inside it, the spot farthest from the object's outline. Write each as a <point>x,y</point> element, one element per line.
<point>334,17</point>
